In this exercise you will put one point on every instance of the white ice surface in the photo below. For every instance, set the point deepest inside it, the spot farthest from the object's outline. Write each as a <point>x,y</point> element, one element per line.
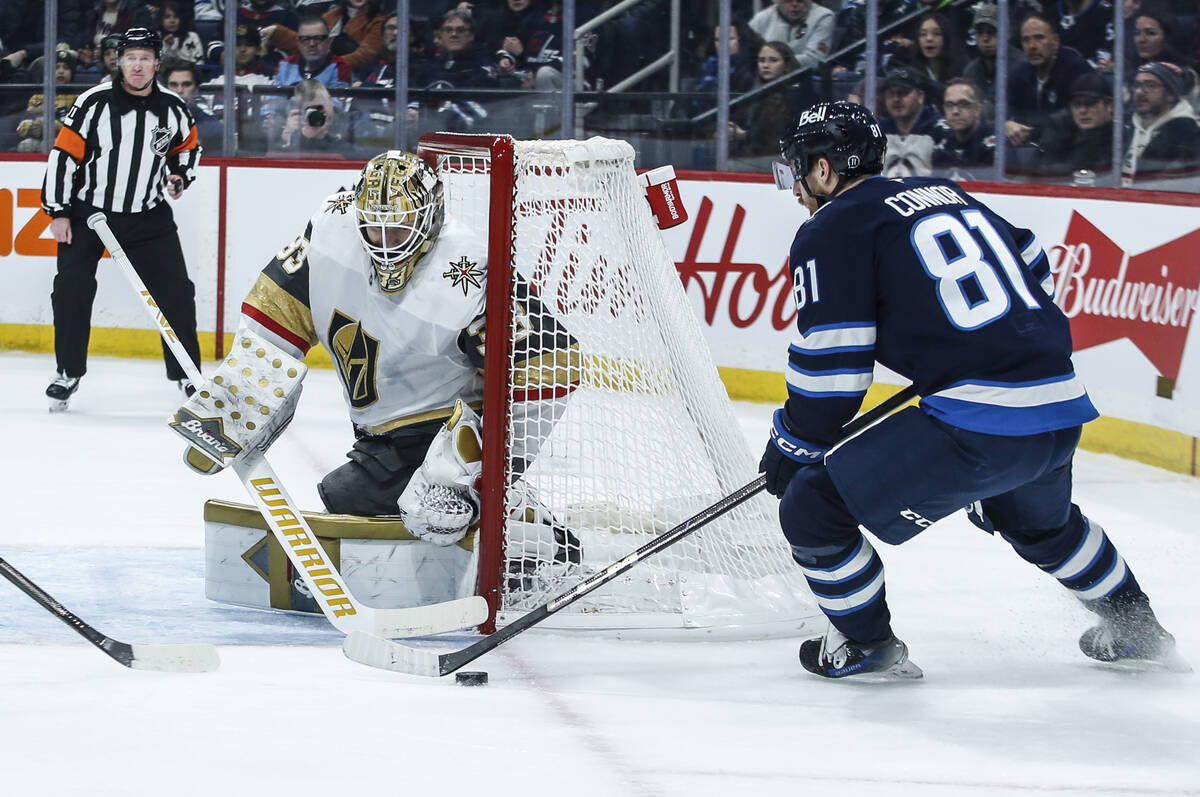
<point>99,510</point>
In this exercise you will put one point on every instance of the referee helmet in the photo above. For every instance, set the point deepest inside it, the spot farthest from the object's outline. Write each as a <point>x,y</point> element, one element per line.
<point>140,39</point>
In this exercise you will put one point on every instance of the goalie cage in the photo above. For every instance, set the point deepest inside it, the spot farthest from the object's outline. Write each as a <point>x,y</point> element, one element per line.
<point>646,438</point>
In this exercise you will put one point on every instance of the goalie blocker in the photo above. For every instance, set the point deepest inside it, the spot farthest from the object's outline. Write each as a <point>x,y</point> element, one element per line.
<point>249,401</point>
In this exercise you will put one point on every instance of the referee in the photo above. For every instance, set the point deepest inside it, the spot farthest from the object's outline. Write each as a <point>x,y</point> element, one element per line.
<point>122,144</point>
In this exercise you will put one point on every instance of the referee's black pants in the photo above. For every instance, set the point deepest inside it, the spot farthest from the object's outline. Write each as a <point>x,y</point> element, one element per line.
<point>150,240</point>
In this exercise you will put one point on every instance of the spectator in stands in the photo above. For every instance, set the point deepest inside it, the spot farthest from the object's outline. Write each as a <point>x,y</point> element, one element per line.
<point>744,45</point>
<point>96,65</point>
<point>183,78</point>
<point>308,130</point>
<point>1165,135</point>
<point>208,17</point>
<point>1085,26</point>
<point>107,17</point>
<point>13,69</point>
<point>314,59</point>
<point>1153,38</point>
<point>1041,84</point>
<point>382,71</point>
<point>357,27</point>
<point>271,18</point>
<point>756,130</point>
<point>938,50</point>
<point>29,129</point>
<point>965,143</point>
<point>534,44</point>
<point>22,31</point>
<point>179,41</point>
<point>1081,137</point>
<point>981,71</point>
<point>807,29</point>
<point>912,128</point>
<point>852,23</point>
<point>460,60</point>
<point>250,67</point>
<point>317,8</point>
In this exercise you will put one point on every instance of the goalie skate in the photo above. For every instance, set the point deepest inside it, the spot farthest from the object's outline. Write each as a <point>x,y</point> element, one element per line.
<point>60,391</point>
<point>836,656</point>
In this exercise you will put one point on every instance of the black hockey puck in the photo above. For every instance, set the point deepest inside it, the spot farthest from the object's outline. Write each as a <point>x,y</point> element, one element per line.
<point>471,678</point>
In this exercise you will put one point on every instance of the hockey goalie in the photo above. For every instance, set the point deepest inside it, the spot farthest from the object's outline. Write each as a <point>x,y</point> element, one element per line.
<point>395,292</point>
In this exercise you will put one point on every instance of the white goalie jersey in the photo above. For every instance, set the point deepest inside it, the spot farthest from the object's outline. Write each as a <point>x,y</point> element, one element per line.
<point>400,357</point>
<point>403,357</point>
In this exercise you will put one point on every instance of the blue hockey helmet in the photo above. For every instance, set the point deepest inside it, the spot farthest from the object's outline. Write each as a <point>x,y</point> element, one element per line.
<point>844,132</point>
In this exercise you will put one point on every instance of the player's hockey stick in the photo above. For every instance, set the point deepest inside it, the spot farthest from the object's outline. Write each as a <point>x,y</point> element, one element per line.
<point>388,655</point>
<point>163,658</point>
<point>287,523</point>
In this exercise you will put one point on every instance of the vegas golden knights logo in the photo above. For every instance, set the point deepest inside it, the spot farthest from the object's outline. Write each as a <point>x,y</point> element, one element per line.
<point>356,354</point>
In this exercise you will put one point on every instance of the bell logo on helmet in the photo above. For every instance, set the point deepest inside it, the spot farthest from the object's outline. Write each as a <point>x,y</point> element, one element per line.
<point>813,115</point>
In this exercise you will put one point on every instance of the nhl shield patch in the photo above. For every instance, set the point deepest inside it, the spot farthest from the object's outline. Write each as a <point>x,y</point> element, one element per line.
<point>160,140</point>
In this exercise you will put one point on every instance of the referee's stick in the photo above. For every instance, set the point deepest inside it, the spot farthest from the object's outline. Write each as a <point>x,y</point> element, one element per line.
<point>388,655</point>
<point>287,522</point>
<point>163,658</point>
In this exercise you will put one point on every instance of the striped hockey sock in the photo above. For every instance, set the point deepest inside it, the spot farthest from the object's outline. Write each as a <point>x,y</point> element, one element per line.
<point>849,588</point>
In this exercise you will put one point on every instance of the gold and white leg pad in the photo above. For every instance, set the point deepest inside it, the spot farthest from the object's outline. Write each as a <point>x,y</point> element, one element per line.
<point>380,561</point>
<point>246,404</point>
<point>441,500</point>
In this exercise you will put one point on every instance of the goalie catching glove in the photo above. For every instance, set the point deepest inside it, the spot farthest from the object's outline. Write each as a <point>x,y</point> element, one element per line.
<point>246,405</point>
<point>441,500</point>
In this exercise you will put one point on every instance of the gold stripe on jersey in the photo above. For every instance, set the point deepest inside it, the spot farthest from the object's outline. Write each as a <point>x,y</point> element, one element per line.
<point>415,418</point>
<point>283,309</point>
<point>561,368</point>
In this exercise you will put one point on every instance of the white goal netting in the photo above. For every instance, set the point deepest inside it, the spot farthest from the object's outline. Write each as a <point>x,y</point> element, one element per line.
<point>647,437</point>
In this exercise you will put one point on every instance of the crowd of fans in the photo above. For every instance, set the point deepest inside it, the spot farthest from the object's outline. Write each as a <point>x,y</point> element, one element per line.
<point>470,60</point>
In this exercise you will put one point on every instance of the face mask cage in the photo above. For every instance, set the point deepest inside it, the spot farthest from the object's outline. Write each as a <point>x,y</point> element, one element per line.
<point>402,235</point>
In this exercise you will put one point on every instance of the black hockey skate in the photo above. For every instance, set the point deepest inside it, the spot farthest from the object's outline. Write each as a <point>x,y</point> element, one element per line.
<point>186,387</point>
<point>836,656</point>
<point>1129,636</point>
<point>60,391</point>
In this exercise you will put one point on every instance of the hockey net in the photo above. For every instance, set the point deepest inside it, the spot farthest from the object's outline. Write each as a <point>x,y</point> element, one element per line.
<point>579,478</point>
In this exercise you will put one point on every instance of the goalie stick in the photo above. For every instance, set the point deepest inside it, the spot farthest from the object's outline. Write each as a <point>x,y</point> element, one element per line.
<point>385,654</point>
<point>162,658</point>
<point>287,523</point>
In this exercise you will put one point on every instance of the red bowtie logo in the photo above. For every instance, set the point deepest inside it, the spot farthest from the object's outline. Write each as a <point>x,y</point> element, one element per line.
<point>1109,294</point>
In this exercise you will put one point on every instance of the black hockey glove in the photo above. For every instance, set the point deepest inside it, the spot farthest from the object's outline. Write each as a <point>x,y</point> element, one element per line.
<point>785,455</point>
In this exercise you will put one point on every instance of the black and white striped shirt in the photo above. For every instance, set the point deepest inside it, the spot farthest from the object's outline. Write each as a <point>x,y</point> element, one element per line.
<point>116,149</point>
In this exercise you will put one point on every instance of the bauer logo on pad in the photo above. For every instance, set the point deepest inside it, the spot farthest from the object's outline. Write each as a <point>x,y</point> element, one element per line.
<point>206,434</point>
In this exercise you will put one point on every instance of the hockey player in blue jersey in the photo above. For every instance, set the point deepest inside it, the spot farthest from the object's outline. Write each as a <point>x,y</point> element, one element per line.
<point>918,275</point>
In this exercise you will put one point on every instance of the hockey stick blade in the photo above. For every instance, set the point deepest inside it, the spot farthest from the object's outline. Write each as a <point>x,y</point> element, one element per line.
<point>387,655</point>
<point>162,658</point>
<point>384,654</point>
<point>434,619</point>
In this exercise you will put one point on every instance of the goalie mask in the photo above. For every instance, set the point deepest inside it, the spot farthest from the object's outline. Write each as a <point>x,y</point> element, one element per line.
<point>399,209</point>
